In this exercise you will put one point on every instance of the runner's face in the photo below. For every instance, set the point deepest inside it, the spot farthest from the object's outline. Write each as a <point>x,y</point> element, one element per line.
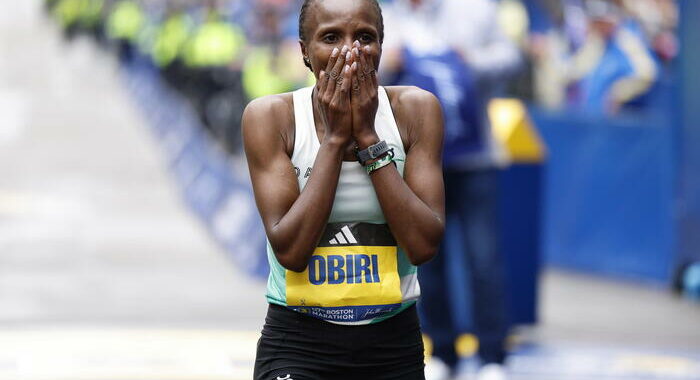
<point>334,23</point>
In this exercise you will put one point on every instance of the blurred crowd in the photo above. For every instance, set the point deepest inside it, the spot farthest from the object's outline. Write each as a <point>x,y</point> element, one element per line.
<point>597,56</point>
<point>217,54</point>
<point>600,55</point>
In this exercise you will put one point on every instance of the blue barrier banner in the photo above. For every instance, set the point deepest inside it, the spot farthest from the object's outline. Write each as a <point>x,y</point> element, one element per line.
<point>214,186</point>
<point>608,194</point>
<point>688,102</point>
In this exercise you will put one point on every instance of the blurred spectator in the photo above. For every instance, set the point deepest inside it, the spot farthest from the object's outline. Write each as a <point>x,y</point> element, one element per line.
<point>169,39</point>
<point>67,12</point>
<point>215,42</point>
<point>273,64</point>
<point>614,66</point>
<point>558,29</point>
<point>452,49</point>
<point>212,57</point>
<point>89,16</point>
<point>171,35</point>
<point>658,20</point>
<point>124,22</point>
<point>49,5</point>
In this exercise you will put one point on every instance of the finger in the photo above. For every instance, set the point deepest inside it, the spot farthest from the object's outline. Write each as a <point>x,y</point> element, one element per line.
<point>364,73</point>
<point>347,80</point>
<point>332,59</point>
<point>342,78</point>
<point>360,74</point>
<point>321,83</point>
<point>356,86</point>
<point>362,90</point>
<point>355,69</point>
<point>353,49</point>
<point>323,75</point>
<point>358,58</point>
<point>332,71</point>
<point>370,70</point>
<point>336,73</point>
<point>373,85</point>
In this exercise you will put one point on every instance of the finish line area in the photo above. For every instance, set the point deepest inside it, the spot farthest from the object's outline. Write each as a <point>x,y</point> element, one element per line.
<point>120,353</point>
<point>213,354</point>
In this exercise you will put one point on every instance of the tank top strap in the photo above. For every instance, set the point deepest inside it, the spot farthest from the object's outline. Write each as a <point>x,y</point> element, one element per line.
<point>305,139</point>
<point>388,129</point>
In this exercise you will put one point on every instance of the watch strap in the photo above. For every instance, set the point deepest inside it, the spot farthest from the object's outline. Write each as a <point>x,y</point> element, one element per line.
<point>372,152</point>
<point>382,162</point>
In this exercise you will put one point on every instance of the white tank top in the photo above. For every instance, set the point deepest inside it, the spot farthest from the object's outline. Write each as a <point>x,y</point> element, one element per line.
<point>355,197</point>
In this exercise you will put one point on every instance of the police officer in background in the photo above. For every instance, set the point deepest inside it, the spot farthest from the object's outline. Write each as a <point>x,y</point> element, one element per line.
<point>124,23</point>
<point>212,57</point>
<point>170,37</point>
<point>272,65</point>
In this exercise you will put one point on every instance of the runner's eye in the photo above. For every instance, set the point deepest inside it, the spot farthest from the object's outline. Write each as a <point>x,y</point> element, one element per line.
<point>366,38</point>
<point>330,38</point>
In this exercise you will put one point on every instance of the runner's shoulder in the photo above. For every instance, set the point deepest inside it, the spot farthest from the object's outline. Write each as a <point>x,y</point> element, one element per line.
<point>411,101</point>
<point>269,117</point>
<point>271,109</point>
<point>416,112</point>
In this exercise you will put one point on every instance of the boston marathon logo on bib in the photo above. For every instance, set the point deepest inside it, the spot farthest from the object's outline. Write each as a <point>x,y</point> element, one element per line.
<point>352,275</point>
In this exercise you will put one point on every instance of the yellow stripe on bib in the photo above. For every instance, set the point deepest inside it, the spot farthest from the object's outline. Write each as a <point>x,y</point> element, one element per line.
<point>347,276</point>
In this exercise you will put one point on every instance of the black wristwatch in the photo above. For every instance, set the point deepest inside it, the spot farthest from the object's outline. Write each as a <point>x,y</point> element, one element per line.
<point>372,152</point>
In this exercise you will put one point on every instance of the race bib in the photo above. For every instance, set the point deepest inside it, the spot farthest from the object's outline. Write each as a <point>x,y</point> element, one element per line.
<point>352,275</point>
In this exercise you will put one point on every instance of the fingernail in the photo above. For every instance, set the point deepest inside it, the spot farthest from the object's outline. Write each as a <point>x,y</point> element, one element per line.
<point>345,49</point>
<point>348,56</point>
<point>356,51</point>
<point>354,65</point>
<point>347,68</point>
<point>334,53</point>
<point>321,73</point>
<point>367,48</point>
<point>356,43</point>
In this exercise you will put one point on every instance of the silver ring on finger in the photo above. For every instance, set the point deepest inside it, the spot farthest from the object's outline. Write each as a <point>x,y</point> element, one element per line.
<point>334,75</point>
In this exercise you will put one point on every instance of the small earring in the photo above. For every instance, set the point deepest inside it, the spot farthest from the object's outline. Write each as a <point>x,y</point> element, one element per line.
<point>306,61</point>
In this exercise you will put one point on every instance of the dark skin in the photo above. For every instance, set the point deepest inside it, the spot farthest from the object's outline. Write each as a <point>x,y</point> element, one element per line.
<point>342,42</point>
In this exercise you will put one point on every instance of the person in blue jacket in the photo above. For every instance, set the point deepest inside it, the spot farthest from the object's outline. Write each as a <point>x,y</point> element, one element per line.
<point>452,49</point>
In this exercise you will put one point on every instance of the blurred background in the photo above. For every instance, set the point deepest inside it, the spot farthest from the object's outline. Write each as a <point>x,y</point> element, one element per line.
<point>131,247</point>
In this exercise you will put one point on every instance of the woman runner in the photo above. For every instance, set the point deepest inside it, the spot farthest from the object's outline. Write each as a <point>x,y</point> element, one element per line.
<point>348,181</point>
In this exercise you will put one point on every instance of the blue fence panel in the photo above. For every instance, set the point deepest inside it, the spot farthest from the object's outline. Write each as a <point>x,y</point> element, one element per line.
<point>608,194</point>
<point>688,101</point>
<point>520,210</point>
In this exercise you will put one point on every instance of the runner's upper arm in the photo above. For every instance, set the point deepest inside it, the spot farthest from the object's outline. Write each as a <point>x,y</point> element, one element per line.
<point>423,171</point>
<point>271,171</point>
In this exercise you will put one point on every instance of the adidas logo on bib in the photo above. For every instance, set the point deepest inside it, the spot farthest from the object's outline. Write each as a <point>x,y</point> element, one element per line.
<point>343,237</point>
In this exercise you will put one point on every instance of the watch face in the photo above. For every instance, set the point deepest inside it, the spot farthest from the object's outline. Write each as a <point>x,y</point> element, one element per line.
<point>377,148</point>
<point>372,151</point>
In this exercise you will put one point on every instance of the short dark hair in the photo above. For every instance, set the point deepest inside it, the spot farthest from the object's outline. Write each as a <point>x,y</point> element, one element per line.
<point>307,3</point>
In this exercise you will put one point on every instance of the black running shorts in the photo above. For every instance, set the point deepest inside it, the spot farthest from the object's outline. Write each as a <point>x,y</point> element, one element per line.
<point>294,346</point>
